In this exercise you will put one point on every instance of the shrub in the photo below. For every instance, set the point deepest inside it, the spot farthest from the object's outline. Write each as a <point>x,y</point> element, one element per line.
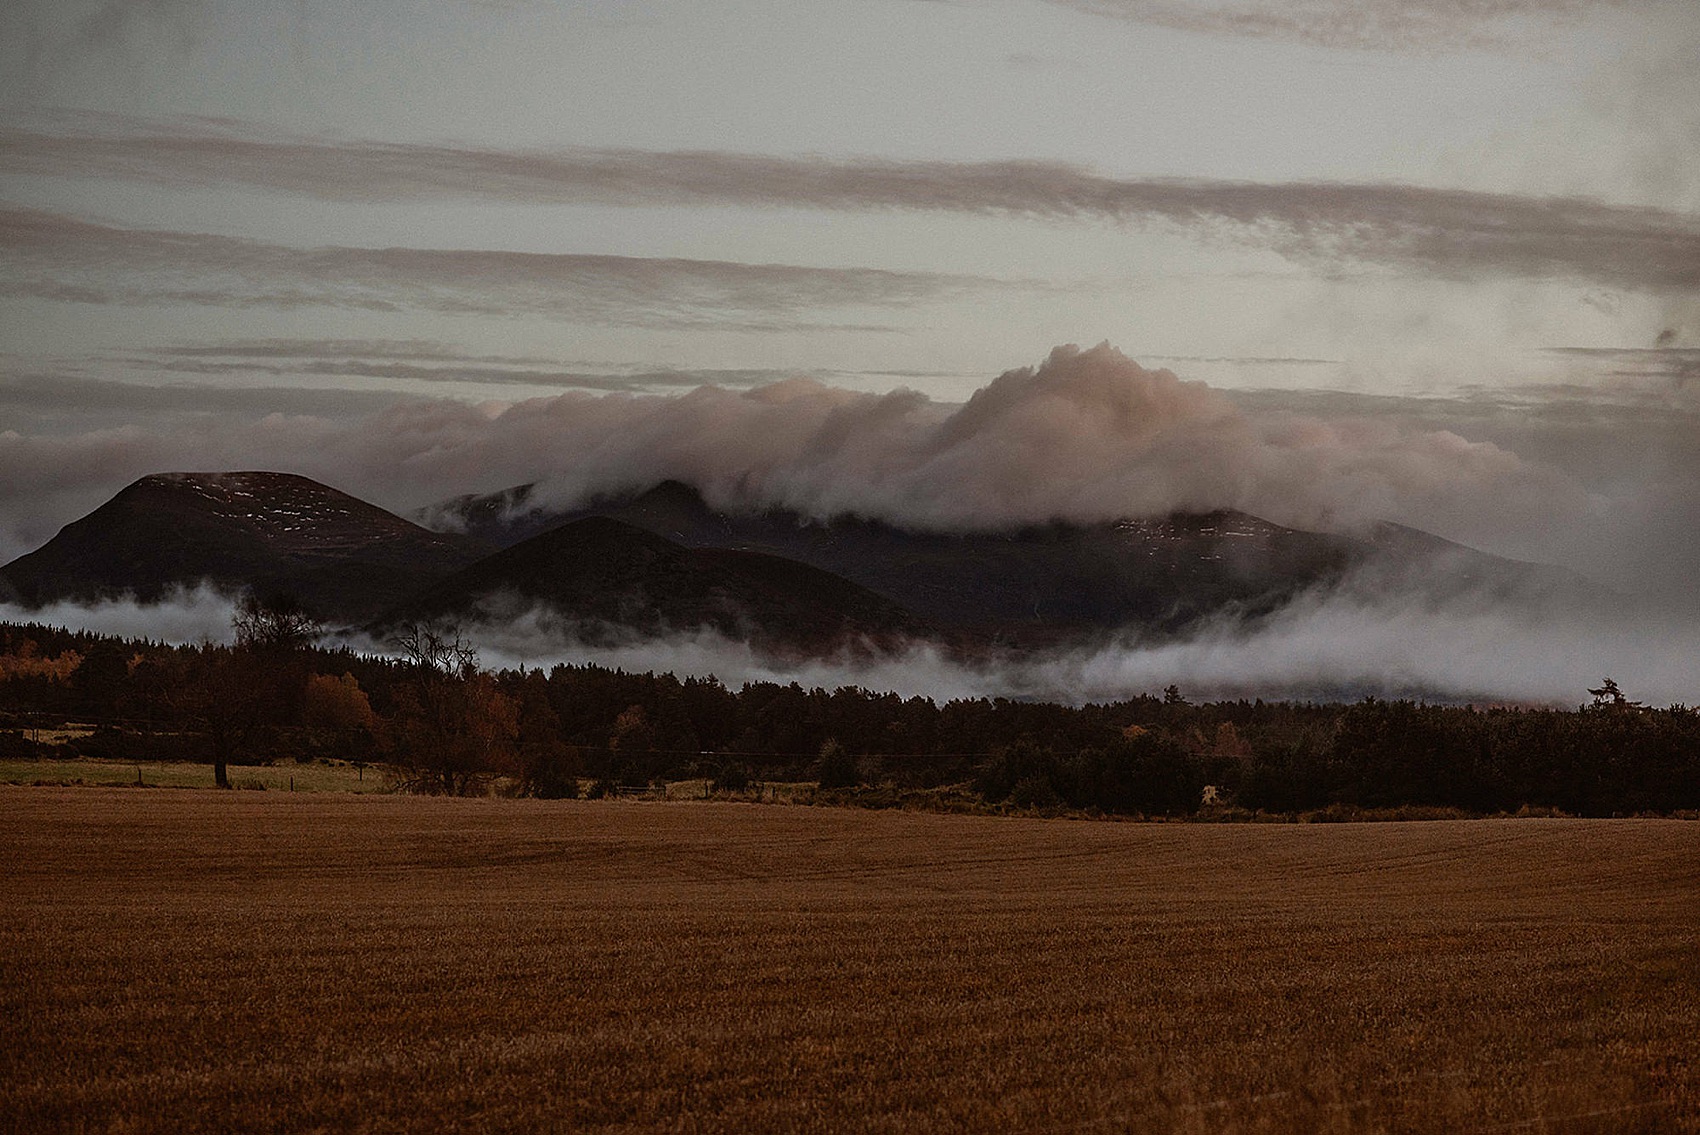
<point>837,768</point>
<point>549,772</point>
<point>732,777</point>
<point>1034,792</point>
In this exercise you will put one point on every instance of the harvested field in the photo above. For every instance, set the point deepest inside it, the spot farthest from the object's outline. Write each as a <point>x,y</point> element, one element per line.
<point>202,961</point>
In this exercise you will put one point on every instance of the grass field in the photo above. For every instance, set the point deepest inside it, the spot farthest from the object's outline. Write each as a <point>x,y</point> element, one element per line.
<point>202,961</point>
<point>338,776</point>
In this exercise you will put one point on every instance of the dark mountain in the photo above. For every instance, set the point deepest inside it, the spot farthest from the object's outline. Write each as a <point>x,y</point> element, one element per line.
<point>606,581</point>
<point>1025,586</point>
<point>345,559</point>
<point>1058,581</point>
<point>663,561</point>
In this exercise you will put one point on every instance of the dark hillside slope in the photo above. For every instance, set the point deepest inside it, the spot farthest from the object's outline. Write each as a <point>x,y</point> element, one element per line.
<point>1059,581</point>
<point>1027,585</point>
<point>611,581</point>
<point>344,558</point>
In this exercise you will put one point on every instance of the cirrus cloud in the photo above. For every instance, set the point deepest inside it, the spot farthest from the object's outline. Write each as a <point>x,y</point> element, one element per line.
<point>69,259</point>
<point>1446,233</point>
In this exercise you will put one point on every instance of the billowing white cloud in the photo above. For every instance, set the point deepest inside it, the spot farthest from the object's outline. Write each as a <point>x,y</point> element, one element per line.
<point>1087,435</point>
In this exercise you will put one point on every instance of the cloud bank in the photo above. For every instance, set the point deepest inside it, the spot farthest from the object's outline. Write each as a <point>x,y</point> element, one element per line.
<point>1087,435</point>
<point>1447,233</point>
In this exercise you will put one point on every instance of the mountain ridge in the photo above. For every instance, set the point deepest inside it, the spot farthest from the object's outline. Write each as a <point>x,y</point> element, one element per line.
<point>264,530</point>
<point>663,561</point>
<point>1033,584</point>
<point>603,580</point>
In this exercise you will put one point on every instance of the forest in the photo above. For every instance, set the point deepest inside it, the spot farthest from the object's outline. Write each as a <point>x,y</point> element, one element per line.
<point>433,720</point>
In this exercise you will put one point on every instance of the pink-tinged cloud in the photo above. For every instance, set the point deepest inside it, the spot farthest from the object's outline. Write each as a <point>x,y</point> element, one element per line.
<point>1088,435</point>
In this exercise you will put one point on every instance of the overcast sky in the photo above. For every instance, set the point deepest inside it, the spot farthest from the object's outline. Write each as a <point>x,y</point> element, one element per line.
<point>1431,260</point>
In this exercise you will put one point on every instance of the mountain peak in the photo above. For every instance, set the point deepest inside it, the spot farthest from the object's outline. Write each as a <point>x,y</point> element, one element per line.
<point>278,531</point>
<point>296,514</point>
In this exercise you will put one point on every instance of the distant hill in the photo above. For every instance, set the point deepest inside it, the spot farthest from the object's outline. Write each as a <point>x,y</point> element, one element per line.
<point>344,558</point>
<point>1043,583</point>
<point>664,561</point>
<point>608,581</point>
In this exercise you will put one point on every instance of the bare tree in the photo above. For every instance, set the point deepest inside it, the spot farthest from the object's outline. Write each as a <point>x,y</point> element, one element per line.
<point>455,728</point>
<point>214,690</point>
<point>234,693</point>
<point>439,649</point>
<point>276,622</point>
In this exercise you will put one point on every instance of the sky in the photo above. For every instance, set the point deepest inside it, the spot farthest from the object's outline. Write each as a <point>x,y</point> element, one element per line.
<point>954,262</point>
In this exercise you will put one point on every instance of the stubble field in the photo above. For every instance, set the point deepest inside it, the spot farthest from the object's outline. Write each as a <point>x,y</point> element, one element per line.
<point>201,961</point>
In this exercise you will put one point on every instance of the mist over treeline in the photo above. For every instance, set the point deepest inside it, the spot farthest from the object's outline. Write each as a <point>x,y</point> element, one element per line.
<point>433,720</point>
<point>1324,645</point>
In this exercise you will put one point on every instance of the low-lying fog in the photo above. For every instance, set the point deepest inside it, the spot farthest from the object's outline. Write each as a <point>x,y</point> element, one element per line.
<point>1319,647</point>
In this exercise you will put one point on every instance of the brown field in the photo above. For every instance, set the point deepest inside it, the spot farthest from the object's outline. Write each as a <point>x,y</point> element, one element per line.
<point>200,961</point>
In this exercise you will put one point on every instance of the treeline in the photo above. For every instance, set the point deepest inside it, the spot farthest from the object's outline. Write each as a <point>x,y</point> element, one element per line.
<point>438,722</point>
